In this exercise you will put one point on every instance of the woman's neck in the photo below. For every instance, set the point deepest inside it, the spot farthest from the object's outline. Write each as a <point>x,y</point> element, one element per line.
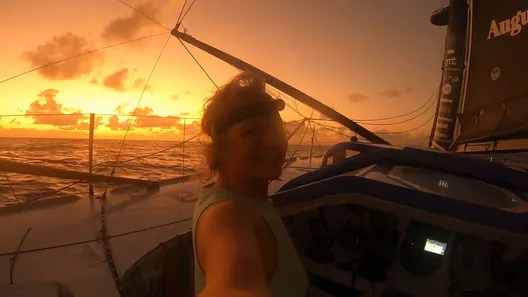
<point>255,188</point>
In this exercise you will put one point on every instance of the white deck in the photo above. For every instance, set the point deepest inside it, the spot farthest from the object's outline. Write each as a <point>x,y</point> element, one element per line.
<point>61,246</point>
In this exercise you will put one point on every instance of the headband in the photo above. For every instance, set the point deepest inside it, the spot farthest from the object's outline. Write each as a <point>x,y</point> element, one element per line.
<point>264,108</point>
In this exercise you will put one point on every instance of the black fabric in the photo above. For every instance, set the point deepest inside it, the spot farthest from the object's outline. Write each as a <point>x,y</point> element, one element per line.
<point>496,102</point>
<point>263,108</point>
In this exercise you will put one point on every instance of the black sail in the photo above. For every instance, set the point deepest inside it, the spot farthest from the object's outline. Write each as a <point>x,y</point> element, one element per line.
<point>495,106</point>
<point>492,103</point>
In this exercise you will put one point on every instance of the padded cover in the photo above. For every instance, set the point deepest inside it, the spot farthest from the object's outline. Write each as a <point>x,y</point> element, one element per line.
<point>48,289</point>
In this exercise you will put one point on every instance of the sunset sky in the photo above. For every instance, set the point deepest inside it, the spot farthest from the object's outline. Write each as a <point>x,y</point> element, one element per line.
<point>366,58</point>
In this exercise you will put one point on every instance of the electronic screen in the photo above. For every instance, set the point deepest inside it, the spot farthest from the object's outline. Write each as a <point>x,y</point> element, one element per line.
<point>434,246</point>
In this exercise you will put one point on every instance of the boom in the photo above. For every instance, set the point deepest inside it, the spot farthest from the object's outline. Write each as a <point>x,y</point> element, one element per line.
<point>284,87</point>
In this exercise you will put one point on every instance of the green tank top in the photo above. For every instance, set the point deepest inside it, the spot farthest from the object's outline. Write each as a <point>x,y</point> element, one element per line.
<point>289,278</point>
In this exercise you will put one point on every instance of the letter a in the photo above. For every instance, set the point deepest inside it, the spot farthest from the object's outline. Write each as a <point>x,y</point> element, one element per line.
<point>494,29</point>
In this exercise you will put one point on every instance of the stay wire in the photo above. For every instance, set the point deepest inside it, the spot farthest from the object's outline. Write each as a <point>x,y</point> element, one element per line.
<point>103,232</point>
<point>95,240</point>
<point>188,9</point>
<point>401,115</point>
<point>181,12</point>
<point>137,105</point>
<point>400,122</point>
<point>413,129</point>
<point>79,55</point>
<point>162,150</point>
<point>11,187</point>
<point>298,144</point>
<point>106,168</point>
<point>197,62</point>
<point>143,14</point>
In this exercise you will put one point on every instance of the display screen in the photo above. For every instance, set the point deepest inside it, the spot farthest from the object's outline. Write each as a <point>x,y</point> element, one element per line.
<point>434,246</point>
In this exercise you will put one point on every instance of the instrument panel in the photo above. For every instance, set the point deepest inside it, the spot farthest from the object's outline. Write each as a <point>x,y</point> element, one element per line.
<point>361,249</point>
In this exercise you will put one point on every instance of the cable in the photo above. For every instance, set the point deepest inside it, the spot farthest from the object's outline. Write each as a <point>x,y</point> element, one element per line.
<point>139,102</point>
<point>181,12</point>
<point>331,129</point>
<point>410,130</point>
<point>103,232</point>
<point>12,189</point>
<point>105,168</point>
<point>200,65</point>
<point>81,54</point>
<point>184,15</point>
<point>161,151</point>
<point>298,145</point>
<point>95,240</point>
<point>141,13</point>
<point>402,115</point>
<point>401,122</point>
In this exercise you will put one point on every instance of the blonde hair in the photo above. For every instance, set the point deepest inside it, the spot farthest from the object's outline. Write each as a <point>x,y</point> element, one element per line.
<point>227,98</point>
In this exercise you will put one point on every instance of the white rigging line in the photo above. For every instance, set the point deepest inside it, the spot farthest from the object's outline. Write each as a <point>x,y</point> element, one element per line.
<point>103,198</point>
<point>143,14</point>
<point>80,54</point>
<point>401,115</point>
<point>409,119</point>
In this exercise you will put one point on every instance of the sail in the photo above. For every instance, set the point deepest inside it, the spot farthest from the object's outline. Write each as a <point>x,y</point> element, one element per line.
<point>495,105</point>
<point>492,103</point>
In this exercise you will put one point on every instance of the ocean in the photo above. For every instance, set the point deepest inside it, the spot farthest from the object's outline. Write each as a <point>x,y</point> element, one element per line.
<point>72,154</point>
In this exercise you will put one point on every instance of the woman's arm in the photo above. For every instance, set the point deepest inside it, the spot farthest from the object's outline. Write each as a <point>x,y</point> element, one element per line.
<point>229,253</point>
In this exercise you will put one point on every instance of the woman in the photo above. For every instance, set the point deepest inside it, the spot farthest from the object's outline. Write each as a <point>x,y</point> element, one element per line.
<point>241,246</point>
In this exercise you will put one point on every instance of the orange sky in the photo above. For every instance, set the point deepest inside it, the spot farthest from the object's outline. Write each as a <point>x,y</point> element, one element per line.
<point>366,58</point>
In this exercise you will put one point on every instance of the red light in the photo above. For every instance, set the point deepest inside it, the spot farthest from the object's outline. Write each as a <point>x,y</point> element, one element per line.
<point>412,243</point>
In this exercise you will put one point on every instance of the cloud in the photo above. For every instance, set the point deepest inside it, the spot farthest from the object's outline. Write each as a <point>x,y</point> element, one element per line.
<point>114,123</point>
<point>139,83</point>
<point>118,81</point>
<point>46,110</point>
<point>131,26</point>
<point>145,118</point>
<point>357,97</point>
<point>50,112</point>
<point>394,93</point>
<point>60,47</point>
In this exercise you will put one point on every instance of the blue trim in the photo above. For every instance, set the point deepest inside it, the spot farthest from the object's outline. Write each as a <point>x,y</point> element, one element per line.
<point>457,164</point>
<point>496,218</point>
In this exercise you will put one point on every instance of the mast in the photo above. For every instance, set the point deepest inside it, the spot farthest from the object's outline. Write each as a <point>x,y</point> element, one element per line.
<point>284,87</point>
<point>446,119</point>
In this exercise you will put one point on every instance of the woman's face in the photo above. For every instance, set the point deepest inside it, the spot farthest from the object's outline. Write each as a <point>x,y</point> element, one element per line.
<point>255,148</point>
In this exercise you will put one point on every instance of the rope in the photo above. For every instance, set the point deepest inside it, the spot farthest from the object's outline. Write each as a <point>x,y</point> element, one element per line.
<point>12,260</point>
<point>161,151</point>
<point>185,14</point>
<point>399,116</point>
<point>181,12</point>
<point>298,144</point>
<point>103,232</point>
<point>79,55</point>
<point>197,62</point>
<point>143,14</point>
<point>12,189</point>
<point>413,129</point>
<point>404,121</point>
<point>95,240</point>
